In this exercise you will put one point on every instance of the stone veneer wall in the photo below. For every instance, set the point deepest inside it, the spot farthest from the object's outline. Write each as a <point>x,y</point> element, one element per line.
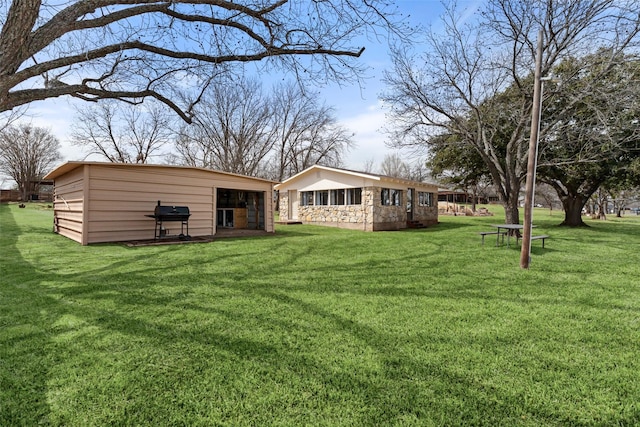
<point>284,206</point>
<point>428,215</point>
<point>369,216</point>
<point>389,217</point>
<point>355,217</point>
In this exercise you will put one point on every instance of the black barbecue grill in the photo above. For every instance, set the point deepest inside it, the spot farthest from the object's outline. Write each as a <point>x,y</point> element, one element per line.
<point>164,214</point>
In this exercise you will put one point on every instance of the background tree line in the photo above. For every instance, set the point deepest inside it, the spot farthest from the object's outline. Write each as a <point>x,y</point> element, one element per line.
<point>237,127</point>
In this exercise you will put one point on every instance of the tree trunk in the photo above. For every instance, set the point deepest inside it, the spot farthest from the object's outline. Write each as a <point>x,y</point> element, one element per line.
<point>26,188</point>
<point>510,204</point>
<point>573,211</point>
<point>511,214</point>
<point>602,213</point>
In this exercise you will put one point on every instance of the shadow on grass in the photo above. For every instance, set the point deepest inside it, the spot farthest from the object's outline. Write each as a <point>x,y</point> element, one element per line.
<point>47,342</point>
<point>30,315</point>
<point>252,336</point>
<point>24,337</point>
<point>435,228</point>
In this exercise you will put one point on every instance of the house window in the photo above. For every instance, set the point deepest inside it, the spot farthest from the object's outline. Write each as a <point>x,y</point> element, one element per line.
<point>391,197</point>
<point>307,198</point>
<point>354,196</point>
<point>337,197</point>
<point>349,196</point>
<point>322,197</point>
<point>425,199</point>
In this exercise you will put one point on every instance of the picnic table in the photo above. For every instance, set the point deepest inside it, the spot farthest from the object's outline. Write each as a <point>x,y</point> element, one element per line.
<point>508,229</point>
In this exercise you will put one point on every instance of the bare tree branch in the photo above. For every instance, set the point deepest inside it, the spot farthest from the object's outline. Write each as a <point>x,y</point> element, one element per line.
<point>238,128</point>
<point>131,49</point>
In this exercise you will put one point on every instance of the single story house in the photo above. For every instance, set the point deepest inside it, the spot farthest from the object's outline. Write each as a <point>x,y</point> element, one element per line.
<point>98,202</point>
<point>335,197</point>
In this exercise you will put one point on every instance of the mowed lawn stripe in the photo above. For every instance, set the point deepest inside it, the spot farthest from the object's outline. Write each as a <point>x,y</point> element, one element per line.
<point>321,326</point>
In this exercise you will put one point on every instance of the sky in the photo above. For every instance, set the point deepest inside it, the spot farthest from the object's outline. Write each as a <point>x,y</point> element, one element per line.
<point>356,106</point>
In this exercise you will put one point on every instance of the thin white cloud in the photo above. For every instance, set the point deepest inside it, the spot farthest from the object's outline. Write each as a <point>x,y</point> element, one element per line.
<point>368,136</point>
<point>470,10</point>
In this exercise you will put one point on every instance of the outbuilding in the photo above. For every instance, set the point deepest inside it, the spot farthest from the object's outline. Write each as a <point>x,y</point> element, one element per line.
<point>343,198</point>
<point>97,202</point>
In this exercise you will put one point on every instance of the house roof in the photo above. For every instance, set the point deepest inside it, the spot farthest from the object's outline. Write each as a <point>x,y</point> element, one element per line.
<point>367,175</point>
<point>69,166</point>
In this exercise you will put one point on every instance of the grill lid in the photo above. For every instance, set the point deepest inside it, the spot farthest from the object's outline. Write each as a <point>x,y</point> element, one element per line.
<point>171,211</point>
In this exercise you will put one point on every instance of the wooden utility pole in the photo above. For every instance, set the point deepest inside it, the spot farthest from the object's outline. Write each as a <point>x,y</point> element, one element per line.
<point>525,252</point>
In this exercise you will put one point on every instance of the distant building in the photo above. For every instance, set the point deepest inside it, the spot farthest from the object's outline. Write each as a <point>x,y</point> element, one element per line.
<point>322,195</point>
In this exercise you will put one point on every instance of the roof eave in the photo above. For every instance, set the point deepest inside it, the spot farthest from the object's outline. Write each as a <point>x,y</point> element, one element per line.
<point>71,165</point>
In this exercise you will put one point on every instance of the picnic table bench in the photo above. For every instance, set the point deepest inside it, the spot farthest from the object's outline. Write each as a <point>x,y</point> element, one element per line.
<point>540,237</point>
<point>508,230</point>
<point>500,233</point>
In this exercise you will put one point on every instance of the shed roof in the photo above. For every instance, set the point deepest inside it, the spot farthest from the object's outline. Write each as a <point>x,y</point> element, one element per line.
<point>69,166</point>
<point>367,175</point>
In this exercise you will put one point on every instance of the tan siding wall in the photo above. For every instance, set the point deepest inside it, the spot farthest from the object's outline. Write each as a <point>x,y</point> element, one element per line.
<point>108,203</point>
<point>122,196</point>
<point>68,205</point>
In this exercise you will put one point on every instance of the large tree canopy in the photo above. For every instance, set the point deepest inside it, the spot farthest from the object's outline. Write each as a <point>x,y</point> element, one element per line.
<point>470,71</point>
<point>591,132</point>
<point>592,128</point>
<point>134,49</point>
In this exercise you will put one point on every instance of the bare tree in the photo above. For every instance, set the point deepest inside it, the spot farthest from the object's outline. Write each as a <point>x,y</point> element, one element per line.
<point>369,165</point>
<point>231,130</point>
<point>240,128</point>
<point>547,194</point>
<point>305,132</point>
<point>396,166</point>
<point>123,134</point>
<point>26,155</point>
<point>393,165</point>
<point>136,49</point>
<point>8,118</point>
<point>460,84</point>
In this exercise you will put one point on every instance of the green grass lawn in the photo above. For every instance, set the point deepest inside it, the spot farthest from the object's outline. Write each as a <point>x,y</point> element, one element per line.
<point>322,327</point>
